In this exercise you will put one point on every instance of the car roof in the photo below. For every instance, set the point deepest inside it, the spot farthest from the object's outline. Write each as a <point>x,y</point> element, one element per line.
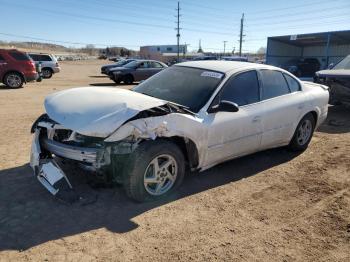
<point>225,66</point>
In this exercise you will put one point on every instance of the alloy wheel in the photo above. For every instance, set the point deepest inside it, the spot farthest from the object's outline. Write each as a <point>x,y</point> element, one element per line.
<point>304,132</point>
<point>160,175</point>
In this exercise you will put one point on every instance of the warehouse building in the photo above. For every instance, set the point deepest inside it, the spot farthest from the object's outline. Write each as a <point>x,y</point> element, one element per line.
<point>163,53</point>
<point>327,47</point>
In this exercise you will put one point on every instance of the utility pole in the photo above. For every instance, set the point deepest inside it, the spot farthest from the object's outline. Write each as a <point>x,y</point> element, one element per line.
<point>224,47</point>
<point>178,30</point>
<point>241,35</point>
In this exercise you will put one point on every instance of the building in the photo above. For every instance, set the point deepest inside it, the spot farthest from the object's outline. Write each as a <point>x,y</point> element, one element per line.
<point>327,47</point>
<point>163,53</point>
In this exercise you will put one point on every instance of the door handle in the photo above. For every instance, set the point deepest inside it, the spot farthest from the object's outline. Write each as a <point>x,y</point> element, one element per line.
<point>256,119</point>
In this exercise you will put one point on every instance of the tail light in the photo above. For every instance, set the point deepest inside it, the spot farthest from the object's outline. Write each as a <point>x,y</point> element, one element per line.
<point>31,64</point>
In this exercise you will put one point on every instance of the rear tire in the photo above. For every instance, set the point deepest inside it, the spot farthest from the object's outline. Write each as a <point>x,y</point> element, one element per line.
<point>47,73</point>
<point>303,133</point>
<point>13,80</point>
<point>128,79</point>
<point>154,170</point>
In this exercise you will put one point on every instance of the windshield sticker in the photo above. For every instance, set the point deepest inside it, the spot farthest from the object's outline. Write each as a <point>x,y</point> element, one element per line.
<point>212,74</point>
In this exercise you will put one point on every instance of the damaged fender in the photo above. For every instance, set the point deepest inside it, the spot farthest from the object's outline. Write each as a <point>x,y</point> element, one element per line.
<point>171,125</point>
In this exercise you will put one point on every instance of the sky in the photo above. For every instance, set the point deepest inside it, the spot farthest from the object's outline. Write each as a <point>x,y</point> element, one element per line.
<point>152,22</point>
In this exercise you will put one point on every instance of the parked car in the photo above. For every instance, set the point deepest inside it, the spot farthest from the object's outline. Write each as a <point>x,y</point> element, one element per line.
<point>16,68</point>
<point>106,68</point>
<point>193,114</point>
<point>304,67</point>
<point>115,59</point>
<point>49,64</point>
<point>235,58</point>
<point>200,58</point>
<point>338,80</point>
<point>136,71</point>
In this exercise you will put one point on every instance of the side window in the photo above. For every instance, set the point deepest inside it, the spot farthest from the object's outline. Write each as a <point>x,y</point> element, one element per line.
<point>35,57</point>
<point>242,89</point>
<point>19,56</point>
<point>156,65</point>
<point>45,58</point>
<point>274,84</point>
<point>145,64</point>
<point>292,83</point>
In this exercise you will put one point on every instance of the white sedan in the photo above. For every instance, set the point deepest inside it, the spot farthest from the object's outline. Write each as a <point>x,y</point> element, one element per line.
<point>193,115</point>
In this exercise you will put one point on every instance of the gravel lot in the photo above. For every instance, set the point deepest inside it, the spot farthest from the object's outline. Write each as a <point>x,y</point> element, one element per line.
<point>271,206</point>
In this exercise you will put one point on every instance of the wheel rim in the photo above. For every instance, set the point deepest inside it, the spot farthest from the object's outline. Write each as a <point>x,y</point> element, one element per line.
<point>160,175</point>
<point>304,132</point>
<point>14,80</point>
<point>46,73</point>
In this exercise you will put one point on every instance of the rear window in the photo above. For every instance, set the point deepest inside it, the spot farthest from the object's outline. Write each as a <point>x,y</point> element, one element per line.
<point>19,56</point>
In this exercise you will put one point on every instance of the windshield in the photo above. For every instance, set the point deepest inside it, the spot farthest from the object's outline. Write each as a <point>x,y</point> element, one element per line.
<point>343,64</point>
<point>123,62</point>
<point>190,87</point>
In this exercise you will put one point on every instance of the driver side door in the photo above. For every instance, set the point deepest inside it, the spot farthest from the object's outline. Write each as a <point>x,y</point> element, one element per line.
<point>233,134</point>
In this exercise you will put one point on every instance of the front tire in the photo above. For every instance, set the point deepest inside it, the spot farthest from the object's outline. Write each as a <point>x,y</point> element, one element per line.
<point>303,133</point>
<point>13,80</point>
<point>128,79</point>
<point>156,168</point>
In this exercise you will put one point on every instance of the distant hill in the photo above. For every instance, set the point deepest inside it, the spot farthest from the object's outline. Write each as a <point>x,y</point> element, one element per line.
<point>60,49</point>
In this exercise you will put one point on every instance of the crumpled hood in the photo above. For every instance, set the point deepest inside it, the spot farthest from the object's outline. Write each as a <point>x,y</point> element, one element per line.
<point>97,111</point>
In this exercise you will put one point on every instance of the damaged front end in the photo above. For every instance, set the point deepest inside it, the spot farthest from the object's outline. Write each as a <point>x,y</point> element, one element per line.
<point>51,141</point>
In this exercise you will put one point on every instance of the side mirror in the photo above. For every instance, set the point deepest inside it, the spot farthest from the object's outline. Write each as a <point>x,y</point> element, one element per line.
<point>330,66</point>
<point>224,106</point>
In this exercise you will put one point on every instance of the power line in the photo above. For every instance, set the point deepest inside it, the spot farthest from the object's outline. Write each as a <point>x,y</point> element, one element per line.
<point>322,10</point>
<point>298,20</point>
<point>120,21</point>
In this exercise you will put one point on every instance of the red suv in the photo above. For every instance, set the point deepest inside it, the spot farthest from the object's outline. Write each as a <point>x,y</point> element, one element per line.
<point>16,68</point>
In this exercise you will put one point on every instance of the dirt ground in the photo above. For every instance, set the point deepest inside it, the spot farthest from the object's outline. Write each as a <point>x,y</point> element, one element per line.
<point>271,206</point>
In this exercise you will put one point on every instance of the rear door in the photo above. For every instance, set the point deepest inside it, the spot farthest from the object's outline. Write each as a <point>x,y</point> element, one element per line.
<point>155,68</point>
<point>283,104</point>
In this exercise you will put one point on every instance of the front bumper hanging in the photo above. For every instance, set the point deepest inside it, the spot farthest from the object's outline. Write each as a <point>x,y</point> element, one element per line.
<point>47,171</point>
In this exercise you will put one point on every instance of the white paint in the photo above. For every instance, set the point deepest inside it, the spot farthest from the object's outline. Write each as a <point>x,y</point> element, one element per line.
<point>96,111</point>
<point>218,136</point>
<point>51,173</point>
<point>35,151</point>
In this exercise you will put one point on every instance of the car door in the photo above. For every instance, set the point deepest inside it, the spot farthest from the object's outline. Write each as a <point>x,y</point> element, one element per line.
<point>155,68</point>
<point>283,104</point>
<point>232,134</point>
<point>142,72</point>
